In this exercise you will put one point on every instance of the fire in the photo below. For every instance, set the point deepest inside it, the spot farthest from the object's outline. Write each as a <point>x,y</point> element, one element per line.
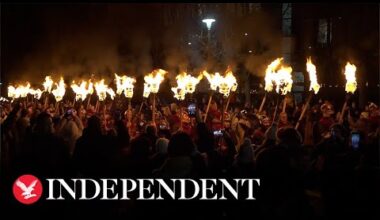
<point>225,84</point>
<point>179,93</point>
<point>124,84</point>
<point>101,90</point>
<point>48,84</point>
<point>82,90</point>
<point>36,93</point>
<point>111,93</point>
<point>12,92</point>
<point>20,91</point>
<point>154,80</point>
<point>188,82</point>
<point>351,83</point>
<point>228,83</point>
<point>185,84</point>
<point>146,90</point>
<point>213,79</point>
<point>312,70</point>
<point>279,75</point>
<point>60,90</point>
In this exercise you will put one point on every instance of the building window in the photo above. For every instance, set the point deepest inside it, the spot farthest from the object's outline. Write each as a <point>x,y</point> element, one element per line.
<point>324,31</point>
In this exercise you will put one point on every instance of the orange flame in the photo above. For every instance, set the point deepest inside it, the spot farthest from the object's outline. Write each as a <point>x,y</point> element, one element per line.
<point>48,84</point>
<point>154,80</point>
<point>36,93</point>
<point>60,90</point>
<point>312,70</point>
<point>82,90</point>
<point>280,76</point>
<point>20,91</point>
<point>185,84</point>
<point>225,84</point>
<point>124,84</point>
<point>351,84</point>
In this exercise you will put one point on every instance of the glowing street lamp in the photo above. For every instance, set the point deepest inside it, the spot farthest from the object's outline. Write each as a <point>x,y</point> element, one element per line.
<point>208,22</point>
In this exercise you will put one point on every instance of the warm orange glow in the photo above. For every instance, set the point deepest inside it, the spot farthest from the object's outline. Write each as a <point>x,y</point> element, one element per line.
<point>225,84</point>
<point>48,84</point>
<point>179,93</point>
<point>102,90</point>
<point>82,90</point>
<point>36,93</point>
<point>154,80</point>
<point>60,90</point>
<point>228,83</point>
<point>20,91</point>
<point>124,84</point>
<point>185,84</point>
<point>280,76</point>
<point>351,84</point>
<point>312,70</point>
<point>146,90</point>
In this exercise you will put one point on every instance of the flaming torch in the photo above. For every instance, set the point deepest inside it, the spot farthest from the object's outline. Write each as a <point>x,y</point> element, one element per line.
<point>185,84</point>
<point>59,92</point>
<point>20,91</point>
<point>12,92</point>
<point>179,93</point>
<point>230,84</point>
<point>153,81</point>
<point>48,85</point>
<point>80,90</point>
<point>36,93</point>
<point>125,84</point>
<point>351,86</point>
<point>145,96</point>
<point>227,85</point>
<point>312,70</point>
<point>102,90</point>
<point>281,77</point>
<point>214,80</point>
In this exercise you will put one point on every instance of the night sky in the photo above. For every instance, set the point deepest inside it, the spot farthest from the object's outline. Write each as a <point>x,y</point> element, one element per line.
<point>74,38</point>
<point>77,40</point>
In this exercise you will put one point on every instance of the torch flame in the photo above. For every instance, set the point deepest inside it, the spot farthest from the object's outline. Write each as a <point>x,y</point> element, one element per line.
<point>185,84</point>
<point>101,90</point>
<point>124,84</point>
<point>228,83</point>
<point>36,93</point>
<point>154,80</point>
<point>213,79</point>
<point>279,75</point>
<point>351,83</point>
<point>82,90</point>
<point>48,84</point>
<point>12,92</point>
<point>312,70</point>
<point>20,91</point>
<point>179,93</point>
<point>60,90</point>
<point>225,84</point>
<point>111,93</point>
<point>146,90</point>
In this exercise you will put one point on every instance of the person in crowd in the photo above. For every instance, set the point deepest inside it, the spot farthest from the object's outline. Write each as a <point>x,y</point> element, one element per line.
<point>158,158</point>
<point>70,129</point>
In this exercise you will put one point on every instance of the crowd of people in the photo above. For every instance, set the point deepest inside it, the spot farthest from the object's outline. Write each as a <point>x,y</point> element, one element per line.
<point>327,168</point>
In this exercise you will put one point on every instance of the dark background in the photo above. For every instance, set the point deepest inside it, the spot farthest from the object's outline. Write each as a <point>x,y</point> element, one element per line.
<point>77,40</point>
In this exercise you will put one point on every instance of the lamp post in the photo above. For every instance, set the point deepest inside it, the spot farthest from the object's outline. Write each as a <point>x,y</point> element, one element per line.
<point>208,22</point>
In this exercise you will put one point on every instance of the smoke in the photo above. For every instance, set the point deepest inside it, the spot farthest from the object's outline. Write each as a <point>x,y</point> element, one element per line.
<point>80,40</point>
<point>174,51</point>
<point>255,42</point>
